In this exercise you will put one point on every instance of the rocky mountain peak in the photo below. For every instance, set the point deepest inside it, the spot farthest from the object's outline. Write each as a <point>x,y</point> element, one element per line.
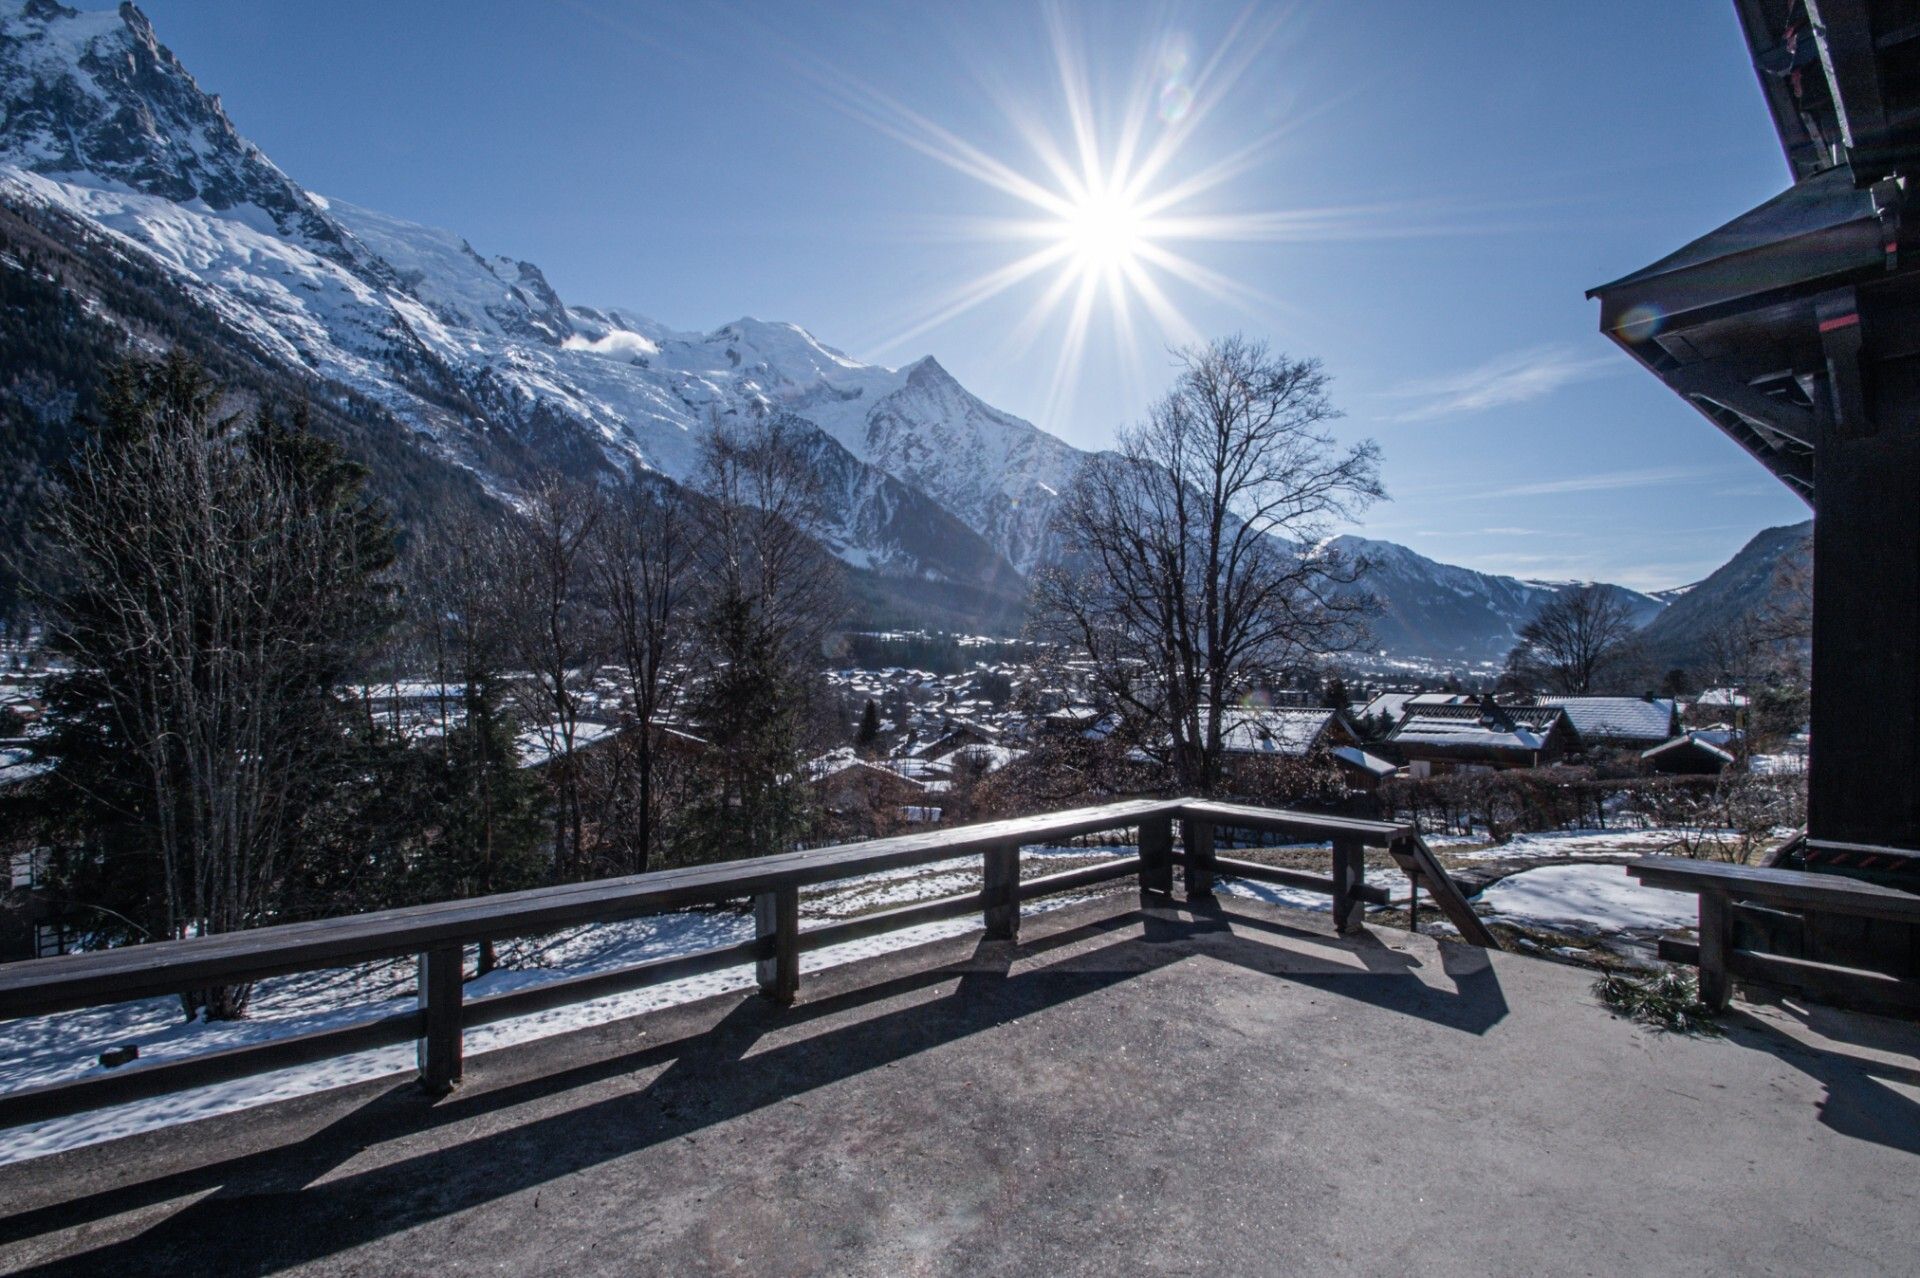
<point>97,94</point>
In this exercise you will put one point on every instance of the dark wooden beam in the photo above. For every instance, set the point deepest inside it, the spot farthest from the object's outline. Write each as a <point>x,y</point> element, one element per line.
<point>441,991</point>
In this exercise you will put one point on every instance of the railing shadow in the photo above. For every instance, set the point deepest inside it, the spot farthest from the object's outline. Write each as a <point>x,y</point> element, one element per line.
<point>292,1205</point>
<point>1858,1102</point>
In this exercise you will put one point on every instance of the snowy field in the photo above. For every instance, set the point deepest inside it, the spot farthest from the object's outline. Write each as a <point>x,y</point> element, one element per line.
<point>66,1046</point>
<point>1590,899</point>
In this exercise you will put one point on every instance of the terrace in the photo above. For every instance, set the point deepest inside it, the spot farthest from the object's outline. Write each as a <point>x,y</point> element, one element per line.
<point>1147,1080</point>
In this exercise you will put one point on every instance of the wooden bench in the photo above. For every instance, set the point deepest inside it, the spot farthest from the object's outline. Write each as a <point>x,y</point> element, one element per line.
<point>439,933</point>
<point>1727,890</point>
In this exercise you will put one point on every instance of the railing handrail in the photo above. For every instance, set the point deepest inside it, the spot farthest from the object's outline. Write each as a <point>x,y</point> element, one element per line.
<point>64,982</point>
<point>1767,883</point>
<point>439,933</point>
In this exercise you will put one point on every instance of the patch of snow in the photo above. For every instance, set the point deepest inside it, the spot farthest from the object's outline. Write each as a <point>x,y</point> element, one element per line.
<point>1602,898</point>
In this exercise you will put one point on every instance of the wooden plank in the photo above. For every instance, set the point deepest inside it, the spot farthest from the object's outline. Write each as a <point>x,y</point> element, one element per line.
<point>776,926</point>
<point>1847,986</point>
<point>1413,856</point>
<point>1236,868</point>
<point>1800,888</point>
<point>141,1080</point>
<point>1349,872</point>
<point>1156,855</point>
<point>1198,863</point>
<point>579,989</point>
<point>39,986</point>
<point>1241,816</point>
<point>1001,894</point>
<point>883,921</point>
<point>1086,876</point>
<point>1716,928</point>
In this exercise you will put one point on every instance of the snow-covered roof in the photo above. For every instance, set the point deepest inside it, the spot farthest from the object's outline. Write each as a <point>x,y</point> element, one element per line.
<point>1467,734</point>
<point>1368,762</point>
<point>988,758</point>
<point>1696,740</point>
<point>1287,732</point>
<point>1617,718</point>
<point>1388,703</point>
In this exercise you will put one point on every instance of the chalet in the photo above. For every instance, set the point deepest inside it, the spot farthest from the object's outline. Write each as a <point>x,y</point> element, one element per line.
<point>1689,754</point>
<point>1481,737</point>
<point>954,734</point>
<point>1290,732</point>
<point>1626,723</point>
<point>1362,771</point>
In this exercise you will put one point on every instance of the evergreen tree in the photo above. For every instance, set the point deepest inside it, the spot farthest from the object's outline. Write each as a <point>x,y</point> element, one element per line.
<point>1336,697</point>
<point>869,726</point>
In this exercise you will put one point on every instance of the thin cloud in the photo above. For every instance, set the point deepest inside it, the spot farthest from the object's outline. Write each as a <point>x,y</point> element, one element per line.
<point>1608,480</point>
<point>1513,378</point>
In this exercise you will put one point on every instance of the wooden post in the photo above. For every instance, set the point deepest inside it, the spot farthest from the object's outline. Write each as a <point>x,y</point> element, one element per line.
<point>1002,890</point>
<point>1349,872</point>
<point>1716,927</point>
<point>1156,855</point>
<point>1198,837</point>
<point>776,921</point>
<point>440,991</point>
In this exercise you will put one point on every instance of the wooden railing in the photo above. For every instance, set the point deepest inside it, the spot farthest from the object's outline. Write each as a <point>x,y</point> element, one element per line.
<point>439,933</point>
<point>1752,901</point>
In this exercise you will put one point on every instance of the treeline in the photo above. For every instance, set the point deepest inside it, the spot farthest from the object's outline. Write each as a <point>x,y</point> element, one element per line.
<point>230,741</point>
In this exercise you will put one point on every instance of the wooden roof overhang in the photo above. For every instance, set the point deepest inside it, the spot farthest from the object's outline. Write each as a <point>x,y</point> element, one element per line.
<point>1742,322</point>
<point>1733,322</point>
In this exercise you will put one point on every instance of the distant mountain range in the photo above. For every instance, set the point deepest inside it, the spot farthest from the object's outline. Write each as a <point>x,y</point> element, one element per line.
<point>134,214</point>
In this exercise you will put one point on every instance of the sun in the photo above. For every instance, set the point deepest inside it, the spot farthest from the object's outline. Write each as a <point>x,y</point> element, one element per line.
<point>1104,232</point>
<point>1103,206</point>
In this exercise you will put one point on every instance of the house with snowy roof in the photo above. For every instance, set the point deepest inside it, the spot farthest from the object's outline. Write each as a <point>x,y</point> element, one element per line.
<point>1481,736</point>
<point>1626,723</point>
<point>1690,754</point>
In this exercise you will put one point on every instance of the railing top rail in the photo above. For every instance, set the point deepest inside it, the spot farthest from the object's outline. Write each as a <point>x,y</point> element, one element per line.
<point>1793,887</point>
<point>39,986</point>
<point>1375,833</point>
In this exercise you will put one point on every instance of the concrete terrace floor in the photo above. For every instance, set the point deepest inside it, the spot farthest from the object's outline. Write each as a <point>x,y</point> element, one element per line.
<point>1130,1090</point>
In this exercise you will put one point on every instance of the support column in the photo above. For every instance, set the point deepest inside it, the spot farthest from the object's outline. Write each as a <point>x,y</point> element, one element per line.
<point>1349,872</point>
<point>1198,838</point>
<point>776,923</point>
<point>1156,855</point>
<point>1002,892</point>
<point>440,992</point>
<point>1716,928</point>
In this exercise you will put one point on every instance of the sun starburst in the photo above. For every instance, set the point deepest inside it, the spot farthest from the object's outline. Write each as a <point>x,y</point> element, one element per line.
<point>1114,200</point>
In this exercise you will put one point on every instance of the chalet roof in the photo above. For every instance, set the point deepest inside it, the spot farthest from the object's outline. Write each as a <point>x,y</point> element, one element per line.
<point>1354,756</point>
<point>1599,719</point>
<point>1692,741</point>
<point>1390,704</point>
<point>1289,732</point>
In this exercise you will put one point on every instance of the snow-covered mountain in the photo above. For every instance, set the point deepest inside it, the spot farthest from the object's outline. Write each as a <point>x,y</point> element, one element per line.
<point>100,123</point>
<point>1444,613</point>
<point>427,353</point>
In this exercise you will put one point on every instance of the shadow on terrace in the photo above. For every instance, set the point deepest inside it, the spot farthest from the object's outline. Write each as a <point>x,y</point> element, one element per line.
<point>1182,1085</point>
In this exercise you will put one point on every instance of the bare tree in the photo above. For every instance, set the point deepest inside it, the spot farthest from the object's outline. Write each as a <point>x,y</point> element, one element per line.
<point>1579,639</point>
<point>552,628</point>
<point>642,563</point>
<point>224,579</point>
<point>1196,568</point>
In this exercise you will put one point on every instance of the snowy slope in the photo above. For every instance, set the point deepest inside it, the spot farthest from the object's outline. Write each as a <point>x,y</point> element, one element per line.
<point>101,122</point>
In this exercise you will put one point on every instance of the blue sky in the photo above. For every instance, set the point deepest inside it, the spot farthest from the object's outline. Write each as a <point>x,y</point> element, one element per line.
<point>1420,196</point>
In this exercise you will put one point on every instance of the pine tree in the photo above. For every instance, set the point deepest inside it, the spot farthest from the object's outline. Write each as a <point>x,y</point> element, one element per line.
<point>869,726</point>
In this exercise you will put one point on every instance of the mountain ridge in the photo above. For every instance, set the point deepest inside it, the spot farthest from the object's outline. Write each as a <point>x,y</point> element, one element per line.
<point>476,363</point>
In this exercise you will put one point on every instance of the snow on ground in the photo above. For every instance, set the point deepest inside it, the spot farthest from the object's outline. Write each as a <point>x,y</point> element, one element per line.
<point>1573,843</point>
<point>1596,898</point>
<point>63,1047</point>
